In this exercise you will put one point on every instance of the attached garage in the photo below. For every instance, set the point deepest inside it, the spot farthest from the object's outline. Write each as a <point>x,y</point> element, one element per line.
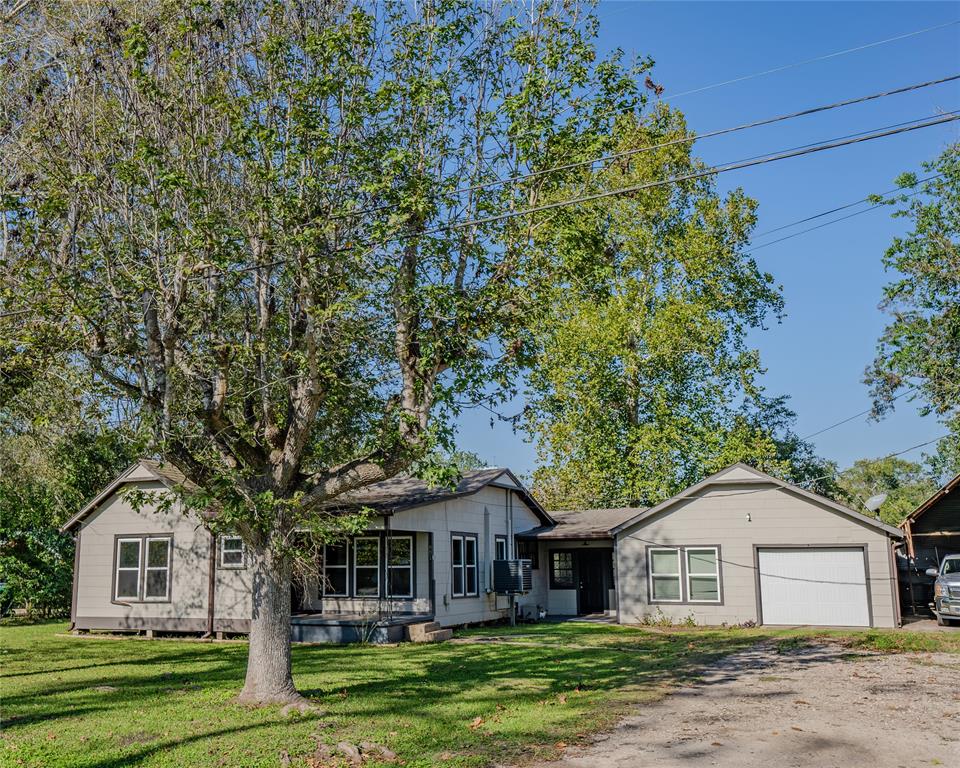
<point>823,586</point>
<point>744,547</point>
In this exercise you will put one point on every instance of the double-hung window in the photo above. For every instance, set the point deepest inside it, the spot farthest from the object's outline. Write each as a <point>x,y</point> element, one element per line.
<point>366,566</point>
<point>463,562</point>
<point>231,552</point>
<point>336,563</point>
<point>499,547</point>
<point>143,568</point>
<point>527,550</point>
<point>684,574</point>
<point>400,566</point>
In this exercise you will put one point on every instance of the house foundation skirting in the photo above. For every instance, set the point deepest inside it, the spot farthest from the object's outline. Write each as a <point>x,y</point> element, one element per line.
<point>131,624</point>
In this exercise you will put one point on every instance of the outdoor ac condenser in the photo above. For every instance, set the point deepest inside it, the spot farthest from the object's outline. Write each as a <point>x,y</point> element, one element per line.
<point>512,577</point>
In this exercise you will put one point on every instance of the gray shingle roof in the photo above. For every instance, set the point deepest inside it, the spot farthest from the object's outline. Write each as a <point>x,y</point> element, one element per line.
<point>583,524</point>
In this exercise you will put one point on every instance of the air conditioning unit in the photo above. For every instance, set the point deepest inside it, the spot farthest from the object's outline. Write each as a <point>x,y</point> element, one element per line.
<point>512,577</point>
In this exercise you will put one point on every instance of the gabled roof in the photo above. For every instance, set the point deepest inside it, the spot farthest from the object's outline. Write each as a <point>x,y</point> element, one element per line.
<point>386,497</point>
<point>150,469</point>
<point>405,492</point>
<point>582,524</point>
<point>950,486</point>
<point>740,474</point>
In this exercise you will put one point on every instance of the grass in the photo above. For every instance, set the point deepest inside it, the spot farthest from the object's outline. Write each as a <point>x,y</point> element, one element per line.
<point>104,703</point>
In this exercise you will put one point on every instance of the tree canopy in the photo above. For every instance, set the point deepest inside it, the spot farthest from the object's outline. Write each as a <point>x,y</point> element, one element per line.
<point>906,483</point>
<point>919,351</point>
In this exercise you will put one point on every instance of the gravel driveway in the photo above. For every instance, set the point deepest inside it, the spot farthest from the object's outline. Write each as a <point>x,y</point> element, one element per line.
<point>816,706</point>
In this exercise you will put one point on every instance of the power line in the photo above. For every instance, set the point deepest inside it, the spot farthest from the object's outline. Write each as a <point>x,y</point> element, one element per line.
<point>881,204</point>
<point>673,142</point>
<point>748,163</point>
<point>844,207</point>
<point>851,418</point>
<point>811,61</point>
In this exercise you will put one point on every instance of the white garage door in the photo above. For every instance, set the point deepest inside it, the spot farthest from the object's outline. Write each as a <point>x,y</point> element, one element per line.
<point>825,587</point>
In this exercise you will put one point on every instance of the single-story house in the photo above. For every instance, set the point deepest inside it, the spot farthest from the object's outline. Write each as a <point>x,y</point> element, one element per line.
<point>931,532</point>
<point>741,546</point>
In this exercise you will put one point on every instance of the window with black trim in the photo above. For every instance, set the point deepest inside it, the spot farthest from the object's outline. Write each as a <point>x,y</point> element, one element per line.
<point>527,549</point>
<point>143,568</point>
<point>400,566</point>
<point>366,566</point>
<point>336,564</point>
<point>232,552</point>
<point>463,564</point>
<point>499,547</point>
<point>561,570</point>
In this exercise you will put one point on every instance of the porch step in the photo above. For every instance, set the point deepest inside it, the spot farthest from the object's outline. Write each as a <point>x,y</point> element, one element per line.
<point>425,632</point>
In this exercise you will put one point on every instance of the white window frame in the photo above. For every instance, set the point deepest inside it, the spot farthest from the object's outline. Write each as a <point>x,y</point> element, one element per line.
<point>119,568</point>
<point>147,568</point>
<point>678,551</point>
<point>408,567</point>
<point>222,549</point>
<point>375,568</point>
<point>497,541</point>
<point>716,574</point>
<point>454,567</point>
<point>345,568</point>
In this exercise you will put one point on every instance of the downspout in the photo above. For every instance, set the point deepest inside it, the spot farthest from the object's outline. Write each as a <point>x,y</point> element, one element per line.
<point>76,581</point>
<point>211,586</point>
<point>895,584</point>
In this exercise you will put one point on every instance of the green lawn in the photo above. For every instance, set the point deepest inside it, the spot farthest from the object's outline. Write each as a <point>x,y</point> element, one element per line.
<point>106,702</point>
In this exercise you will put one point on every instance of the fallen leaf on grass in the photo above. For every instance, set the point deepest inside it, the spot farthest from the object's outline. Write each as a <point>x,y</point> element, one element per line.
<point>561,745</point>
<point>562,698</point>
<point>477,722</point>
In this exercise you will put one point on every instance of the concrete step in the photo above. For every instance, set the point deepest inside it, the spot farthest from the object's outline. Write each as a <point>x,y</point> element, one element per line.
<point>437,636</point>
<point>418,632</point>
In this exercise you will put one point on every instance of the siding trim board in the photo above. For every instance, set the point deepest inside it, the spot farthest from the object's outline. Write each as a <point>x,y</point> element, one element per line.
<point>833,545</point>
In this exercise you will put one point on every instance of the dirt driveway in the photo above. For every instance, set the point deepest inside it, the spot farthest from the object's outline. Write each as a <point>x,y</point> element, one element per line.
<point>816,706</point>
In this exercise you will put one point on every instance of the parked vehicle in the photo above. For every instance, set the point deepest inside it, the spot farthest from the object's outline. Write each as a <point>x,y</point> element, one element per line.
<point>946,590</point>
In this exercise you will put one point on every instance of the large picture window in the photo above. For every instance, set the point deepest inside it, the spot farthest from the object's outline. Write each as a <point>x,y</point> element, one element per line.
<point>366,566</point>
<point>336,564</point>
<point>684,574</point>
<point>143,568</point>
<point>463,563</point>
<point>400,566</point>
<point>561,571</point>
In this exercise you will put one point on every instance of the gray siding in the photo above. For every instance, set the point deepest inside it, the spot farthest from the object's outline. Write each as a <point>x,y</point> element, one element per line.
<point>188,604</point>
<point>719,517</point>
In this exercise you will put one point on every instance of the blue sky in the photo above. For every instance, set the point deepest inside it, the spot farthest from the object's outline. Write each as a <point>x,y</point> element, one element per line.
<point>832,278</point>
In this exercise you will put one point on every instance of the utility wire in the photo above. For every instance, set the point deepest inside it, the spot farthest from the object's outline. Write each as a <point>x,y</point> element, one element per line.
<point>844,207</point>
<point>811,61</point>
<point>673,142</point>
<point>760,160</point>
<point>851,418</point>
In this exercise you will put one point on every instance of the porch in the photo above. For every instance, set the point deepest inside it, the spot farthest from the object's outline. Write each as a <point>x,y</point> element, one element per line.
<point>313,627</point>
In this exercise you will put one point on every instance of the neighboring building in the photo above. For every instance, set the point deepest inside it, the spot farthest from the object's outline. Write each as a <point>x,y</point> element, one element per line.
<point>741,546</point>
<point>931,532</point>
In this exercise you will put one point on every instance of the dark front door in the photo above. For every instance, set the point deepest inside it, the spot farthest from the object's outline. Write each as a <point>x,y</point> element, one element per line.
<point>592,568</point>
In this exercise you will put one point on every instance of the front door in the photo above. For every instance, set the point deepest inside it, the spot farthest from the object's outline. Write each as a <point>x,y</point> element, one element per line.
<point>592,567</point>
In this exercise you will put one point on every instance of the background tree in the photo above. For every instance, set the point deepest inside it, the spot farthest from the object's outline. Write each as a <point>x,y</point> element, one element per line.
<point>240,213</point>
<point>906,484</point>
<point>643,381</point>
<point>920,348</point>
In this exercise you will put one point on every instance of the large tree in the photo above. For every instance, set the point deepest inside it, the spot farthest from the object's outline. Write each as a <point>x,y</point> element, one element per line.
<point>239,214</point>
<point>919,351</point>
<point>643,380</point>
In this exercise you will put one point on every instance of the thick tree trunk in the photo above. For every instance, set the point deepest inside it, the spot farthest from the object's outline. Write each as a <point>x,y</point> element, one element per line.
<point>269,679</point>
